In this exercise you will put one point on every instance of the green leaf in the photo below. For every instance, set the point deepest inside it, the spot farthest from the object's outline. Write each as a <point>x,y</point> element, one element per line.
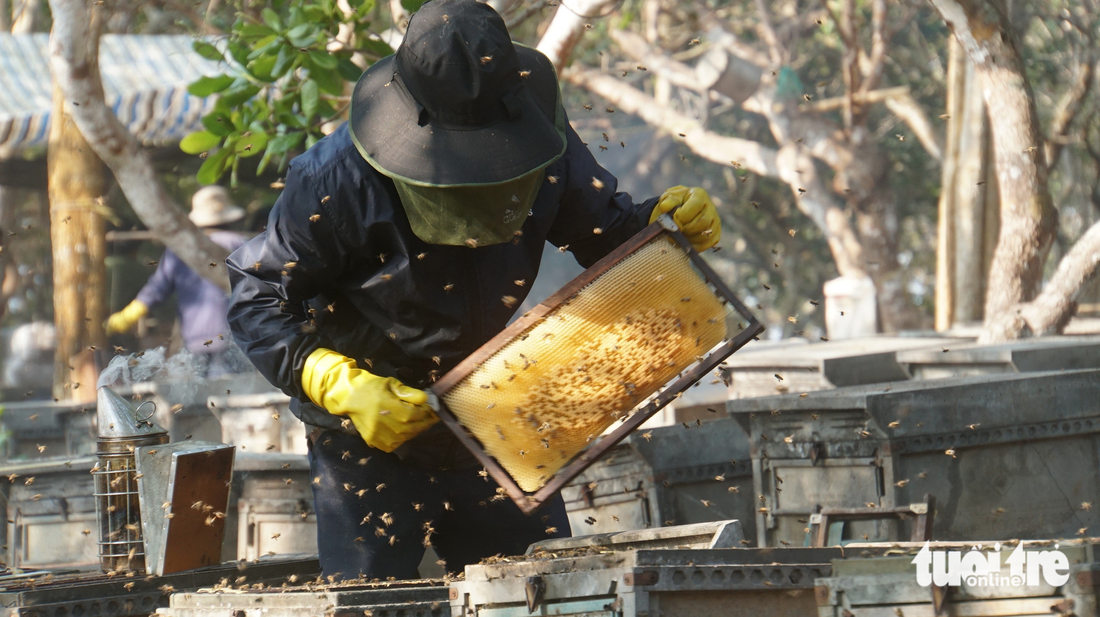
<point>199,141</point>
<point>323,59</point>
<point>205,86</point>
<point>271,18</point>
<point>285,143</point>
<point>218,123</point>
<point>257,141</point>
<point>297,17</point>
<point>254,31</point>
<point>262,68</point>
<point>237,95</point>
<point>283,61</point>
<point>264,160</point>
<point>348,70</point>
<point>376,46</point>
<point>304,35</point>
<point>213,167</point>
<point>329,80</point>
<point>311,96</point>
<point>239,52</point>
<point>265,45</point>
<point>208,51</point>
<point>412,6</point>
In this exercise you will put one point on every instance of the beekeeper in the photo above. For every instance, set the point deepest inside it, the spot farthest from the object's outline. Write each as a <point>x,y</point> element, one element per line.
<point>388,259</point>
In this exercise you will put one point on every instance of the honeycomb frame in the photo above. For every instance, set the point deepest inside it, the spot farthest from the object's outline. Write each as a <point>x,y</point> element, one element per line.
<point>462,386</point>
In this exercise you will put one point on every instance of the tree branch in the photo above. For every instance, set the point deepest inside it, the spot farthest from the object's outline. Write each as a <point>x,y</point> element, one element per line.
<point>767,33</point>
<point>1068,108</point>
<point>878,47</point>
<point>791,164</point>
<point>119,150</point>
<point>912,115</point>
<point>566,29</point>
<point>1052,309</point>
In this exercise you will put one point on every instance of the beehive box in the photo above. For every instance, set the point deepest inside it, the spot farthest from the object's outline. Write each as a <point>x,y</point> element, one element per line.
<point>532,399</point>
<point>647,574</point>
<point>1006,456</point>
<point>672,475</point>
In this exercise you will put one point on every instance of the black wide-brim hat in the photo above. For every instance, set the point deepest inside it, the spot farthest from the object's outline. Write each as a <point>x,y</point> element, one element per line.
<point>459,103</point>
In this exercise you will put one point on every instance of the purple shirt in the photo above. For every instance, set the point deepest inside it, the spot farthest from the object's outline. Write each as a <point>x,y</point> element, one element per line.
<point>202,304</point>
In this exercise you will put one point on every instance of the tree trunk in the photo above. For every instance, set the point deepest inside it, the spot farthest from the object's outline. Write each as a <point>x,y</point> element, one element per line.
<point>1028,219</point>
<point>122,153</point>
<point>76,181</point>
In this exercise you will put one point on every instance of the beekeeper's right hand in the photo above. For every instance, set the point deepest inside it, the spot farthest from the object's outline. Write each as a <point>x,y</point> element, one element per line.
<point>386,412</point>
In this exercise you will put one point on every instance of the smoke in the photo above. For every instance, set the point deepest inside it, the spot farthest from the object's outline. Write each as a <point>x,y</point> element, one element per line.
<point>182,367</point>
<point>151,365</point>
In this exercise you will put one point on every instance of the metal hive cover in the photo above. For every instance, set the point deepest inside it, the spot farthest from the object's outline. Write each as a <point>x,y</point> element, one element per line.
<point>532,402</point>
<point>184,492</point>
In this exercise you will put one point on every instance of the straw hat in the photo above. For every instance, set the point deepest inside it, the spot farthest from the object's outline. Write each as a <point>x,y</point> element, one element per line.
<point>211,206</point>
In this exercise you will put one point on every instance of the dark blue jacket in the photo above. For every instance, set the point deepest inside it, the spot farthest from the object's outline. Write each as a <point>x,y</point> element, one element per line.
<point>339,267</point>
<point>202,304</point>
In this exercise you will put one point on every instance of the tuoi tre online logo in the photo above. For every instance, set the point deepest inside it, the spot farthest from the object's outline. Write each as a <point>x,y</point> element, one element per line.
<point>978,569</point>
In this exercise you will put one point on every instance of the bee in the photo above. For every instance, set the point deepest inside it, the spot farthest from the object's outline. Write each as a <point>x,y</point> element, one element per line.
<point>1086,506</point>
<point>693,42</point>
<point>471,242</point>
<point>974,426</point>
<point>597,184</point>
<point>801,191</point>
<point>551,530</point>
<point>508,301</point>
<point>213,264</point>
<point>486,59</point>
<point>950,452</point>
<point>313,218</point>
<point>648,435</point>
<point>448,286</point>
<point>778,377</point>
<point>603,148</point>
<point>563,248</point>
<point>588,108</point>
<point>290,265</point>
<point>152,263</point>
<point>901,483</point>
<point>706,503</point>
<point>41,448</point>
<point>622,144</point>
<point>734,489</point>
<point>807,97</point>
<point>552,179</point>
<point>525,73</point>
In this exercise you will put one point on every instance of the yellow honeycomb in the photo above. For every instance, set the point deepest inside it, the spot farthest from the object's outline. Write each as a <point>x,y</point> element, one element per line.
<point>550,391</point>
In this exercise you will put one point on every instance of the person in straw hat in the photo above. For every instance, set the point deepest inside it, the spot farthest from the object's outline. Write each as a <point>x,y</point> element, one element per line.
<point>202,304</point>
<point>401,243</point>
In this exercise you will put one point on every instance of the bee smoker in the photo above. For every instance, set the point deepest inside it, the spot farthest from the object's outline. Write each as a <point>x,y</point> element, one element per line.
<point>122,429</point>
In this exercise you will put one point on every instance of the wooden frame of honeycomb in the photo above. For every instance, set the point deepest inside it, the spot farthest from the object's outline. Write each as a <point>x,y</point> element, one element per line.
<point>532,402</point>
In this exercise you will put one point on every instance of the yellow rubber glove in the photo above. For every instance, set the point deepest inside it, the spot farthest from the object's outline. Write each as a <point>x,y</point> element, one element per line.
<point>386,412</point>
<point>697,217</point>
<point>125,319</point>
